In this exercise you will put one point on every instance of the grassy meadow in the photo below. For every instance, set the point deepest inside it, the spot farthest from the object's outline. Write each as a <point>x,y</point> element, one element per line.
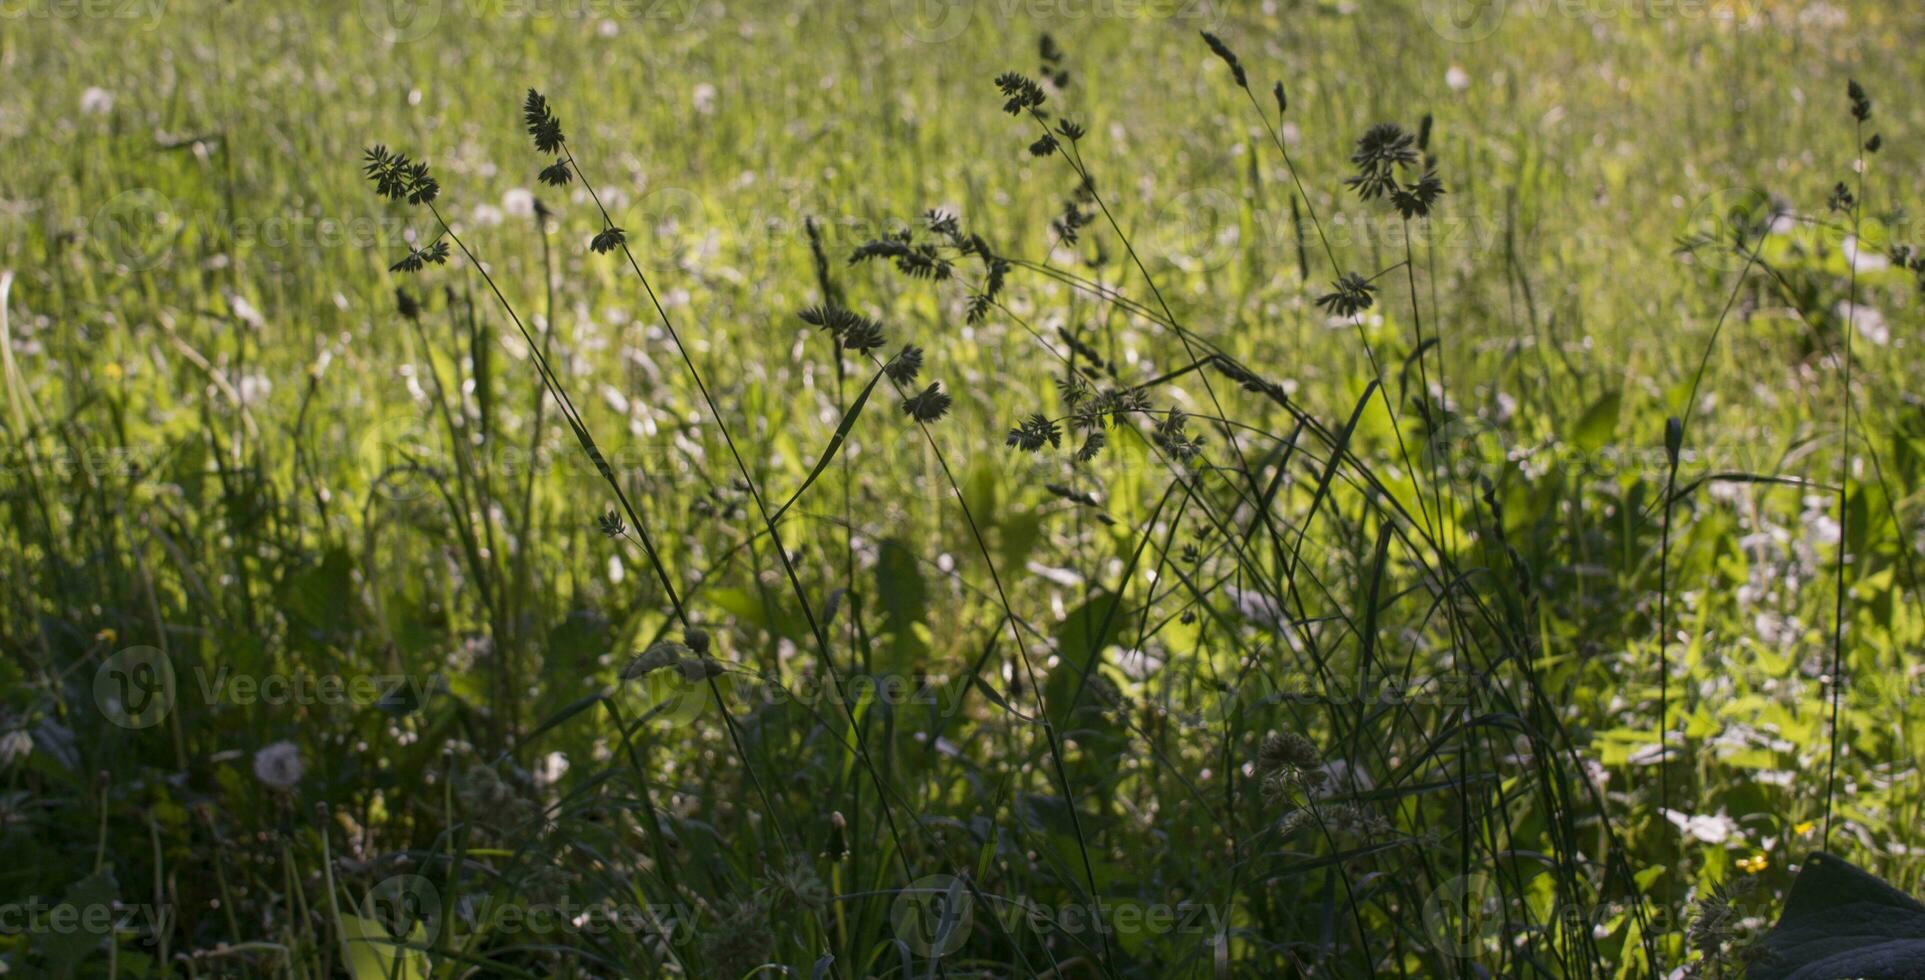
<point>965,488</point>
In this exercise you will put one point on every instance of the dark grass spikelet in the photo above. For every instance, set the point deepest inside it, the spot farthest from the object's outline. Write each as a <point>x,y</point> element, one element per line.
<point>1351,294</point>
<point>1381,151</point>
<point>1173,437</point>
<point>928,405</point>
<point>1073,390</point>
<point>1911,259</point>
<point>830,318</point>
<point>611,524</point>
<point>543,126</point>
<point>1113,407</point>
<point>1054,63</point>
<point>556,174</point>
<point>1083,349</point>
<point>1283,101</point>
<point>420,258</point>
<point>1861,104</point>
<point>862,336</point>
<point>913,259</point>
<point>903,368</point>
<point>1081,498</point>
<point>798,886</point>
<point>944,224</point>
<point>1715,930</point>
<point>1093,443</point>
<point>1248,380</point>
<point>1032,433</point>
<point>1287,750</point>
<point>819,258</point>
<point>1234,371</point>
<point>1070,494</point>
<point>1229,58</point>
<point>406,304</point>
<point>1384,145</point>
<point>995,276</point>
<point>607,240</point>
<point>979,306</point>
<point>398,178</point>
<point>1019,92</point>
<point>852,330</point>
<point>1287,763</point>
<point>1842,199</point>
<point>1415,200</point>
<point>1070,224</point>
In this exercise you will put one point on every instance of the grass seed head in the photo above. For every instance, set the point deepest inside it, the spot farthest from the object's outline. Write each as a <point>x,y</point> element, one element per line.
<point>1020,93</point>
<point>543,126</point>
<point>903,368</point>
<point>1350,295</point>
<point>1229,58</point>
<point>928,405</point>
<point>1861,104</point>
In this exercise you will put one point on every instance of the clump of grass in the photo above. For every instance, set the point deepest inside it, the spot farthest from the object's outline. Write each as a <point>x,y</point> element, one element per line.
<point>1201,636</point>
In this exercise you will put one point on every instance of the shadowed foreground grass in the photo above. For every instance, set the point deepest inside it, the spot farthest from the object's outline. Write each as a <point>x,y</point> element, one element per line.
<point>952,490</point>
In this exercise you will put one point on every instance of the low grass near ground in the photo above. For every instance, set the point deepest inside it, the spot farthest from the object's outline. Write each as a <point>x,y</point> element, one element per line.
<point>955,489</point>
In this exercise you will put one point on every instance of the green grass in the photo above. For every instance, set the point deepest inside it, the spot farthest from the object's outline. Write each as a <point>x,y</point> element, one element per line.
<point>227,452</point>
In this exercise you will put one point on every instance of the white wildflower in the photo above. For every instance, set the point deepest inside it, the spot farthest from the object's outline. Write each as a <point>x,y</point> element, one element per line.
<point>1709,828</point>
<point>279,766</point>
<point>15,746</point>
<point>519,203</point>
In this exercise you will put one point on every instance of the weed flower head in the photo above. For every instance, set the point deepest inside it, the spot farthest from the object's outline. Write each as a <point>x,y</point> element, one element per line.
<point>279,766</point>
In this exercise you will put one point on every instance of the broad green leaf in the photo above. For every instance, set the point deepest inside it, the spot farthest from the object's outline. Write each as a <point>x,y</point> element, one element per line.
<point>904,601</point>
<point>374,955</point>
<point>1599,423</point>
<point>91,900</point>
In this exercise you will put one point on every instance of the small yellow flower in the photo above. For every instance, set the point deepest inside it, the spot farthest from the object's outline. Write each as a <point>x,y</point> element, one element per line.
<point>111,371</point>
<point>1804,828</point>
<point>1754,864</point>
